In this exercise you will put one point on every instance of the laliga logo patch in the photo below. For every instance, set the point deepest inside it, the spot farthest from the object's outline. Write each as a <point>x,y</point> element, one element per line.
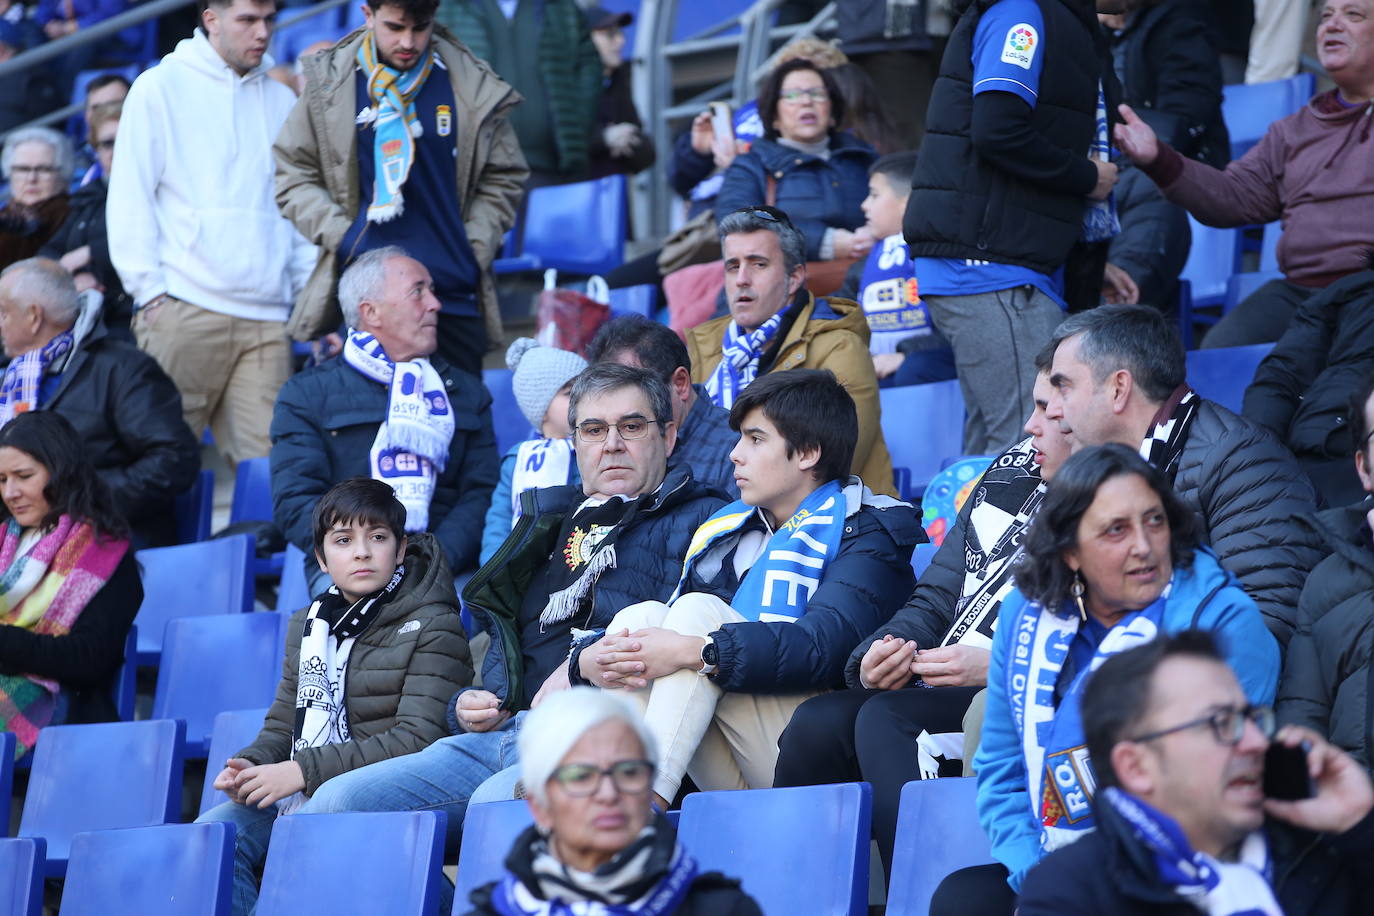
<point>443,120</point>
<point>1020,45</point>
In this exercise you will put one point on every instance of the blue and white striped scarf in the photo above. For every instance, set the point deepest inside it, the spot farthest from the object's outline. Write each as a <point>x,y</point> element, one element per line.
<point>739,360</point>
<point>392,93</point>
<point>1099,217</point>
<point>24,376</point>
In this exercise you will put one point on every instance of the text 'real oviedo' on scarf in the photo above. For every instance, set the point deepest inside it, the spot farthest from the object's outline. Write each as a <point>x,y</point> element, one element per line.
<point>23,378</point>
<point>1216,888</point>
<point>1168,434</point>
<point>327,636</point>
<point>780,583</point>
<point>739,360</point>
<point>411,447</point>
<point>43,590</point>
<point>585,551</point>
<point>391,113</point>
<point>1059,777</point>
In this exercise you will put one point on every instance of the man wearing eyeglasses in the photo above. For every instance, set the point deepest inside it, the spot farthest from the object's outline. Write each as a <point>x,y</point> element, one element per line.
<point>1184,825</point>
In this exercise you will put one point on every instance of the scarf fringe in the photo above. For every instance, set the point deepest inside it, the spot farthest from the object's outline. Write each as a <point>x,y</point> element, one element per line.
<point>564,604</point>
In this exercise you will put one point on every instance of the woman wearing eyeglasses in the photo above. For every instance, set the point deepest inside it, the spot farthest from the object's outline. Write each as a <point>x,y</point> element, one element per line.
<point>1112,560</point>
<point>37,163</point>
<point>597,846</point>
<point>805,165</point>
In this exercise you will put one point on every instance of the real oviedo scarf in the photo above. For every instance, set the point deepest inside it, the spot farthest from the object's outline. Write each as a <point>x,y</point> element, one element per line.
<point>780,583</point>
<point>1059,778</point>
<point>392,115</point>
<point>411,447</point>
<point>739,360</point>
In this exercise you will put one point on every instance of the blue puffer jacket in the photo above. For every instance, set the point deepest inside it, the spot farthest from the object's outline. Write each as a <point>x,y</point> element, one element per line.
<point>817,194</point>
<point>323,427</point>
<point>1205,597</point>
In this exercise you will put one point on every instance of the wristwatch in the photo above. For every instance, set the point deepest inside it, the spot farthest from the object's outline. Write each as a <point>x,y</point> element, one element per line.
<point>710,658</point>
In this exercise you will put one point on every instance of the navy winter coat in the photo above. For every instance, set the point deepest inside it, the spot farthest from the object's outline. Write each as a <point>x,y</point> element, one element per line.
<point>323,427</point>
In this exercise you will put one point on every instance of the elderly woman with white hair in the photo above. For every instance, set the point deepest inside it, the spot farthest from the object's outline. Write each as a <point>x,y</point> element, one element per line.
<point>37,162</point>
<point>597,846</point>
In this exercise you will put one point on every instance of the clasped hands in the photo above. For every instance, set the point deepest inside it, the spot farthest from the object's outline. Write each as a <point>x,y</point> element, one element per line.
<point>890,663</point>
<point>259,785</point>
<point>632,660</point>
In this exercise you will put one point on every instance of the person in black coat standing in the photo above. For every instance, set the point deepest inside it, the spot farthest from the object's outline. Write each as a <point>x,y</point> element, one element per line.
<point>619,144</point>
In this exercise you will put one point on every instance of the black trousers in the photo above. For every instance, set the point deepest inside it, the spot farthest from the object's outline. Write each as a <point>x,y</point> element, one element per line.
<point>980,890</point>
<point>1261,318</point>
<point>462,342</point>
<point>869,736</point>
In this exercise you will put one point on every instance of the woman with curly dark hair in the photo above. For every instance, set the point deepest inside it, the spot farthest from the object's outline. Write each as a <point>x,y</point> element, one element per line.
<point>69,584</point>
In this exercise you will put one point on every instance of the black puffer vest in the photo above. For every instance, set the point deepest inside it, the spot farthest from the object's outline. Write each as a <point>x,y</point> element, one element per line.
<point>965,207</point>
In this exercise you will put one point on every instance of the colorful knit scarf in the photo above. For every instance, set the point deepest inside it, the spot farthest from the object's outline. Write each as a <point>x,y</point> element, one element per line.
<point>44,590</point>
<point>395,124</point>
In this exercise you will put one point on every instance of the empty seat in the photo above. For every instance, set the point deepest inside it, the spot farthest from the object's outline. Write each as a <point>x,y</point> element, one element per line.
<point>294,591</point>
<point>489,831</point>
<point>921,424</point>
<point>21,877</point>
<point>794,850</point>
<point>575,228</point>
<point>1212,259</point>
<point>1222,375</point>
<point>7,742</point>
<point>510,424</point>
<point>937,833</point>
<point>921,557</point>
<point>126,679</point>
<point>96,777</point>
<point>191,580</point>
<point>172,870</point>
<point>252,502</point>
<point>360,863</point>
<point>1249,109</point>
<point>635,300</point>
<point>234,730</point>
<point>193,509</point>
<point>213,664</point>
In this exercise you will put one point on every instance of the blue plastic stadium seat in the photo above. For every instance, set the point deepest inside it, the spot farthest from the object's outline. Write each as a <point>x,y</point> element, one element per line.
<point>252,502</point>
<point>795,850</point>
<point>76,124</point>
<point>368,862</point>
<point>21,877</point>
<point>171,870</point>
<point>1222,375</point>
<point>1249,109</point>
<point>511,426</point>
<point>234,730</point>
<point>97,777</point>
<point>126,680</point>
<point>575,228</point>
<point>294,590</point>
<point>922,424</point>
<point>191,580</point>
<point>194,508</point>
<point>1269,247</point>
<point>635,300</point>
<point>7,741</point>
<point>213,664</point>
<point>937,833</point>
<point>1212,259</point>
<point>921,557</point>
<point>489,830</point>
<point>1242,285</point>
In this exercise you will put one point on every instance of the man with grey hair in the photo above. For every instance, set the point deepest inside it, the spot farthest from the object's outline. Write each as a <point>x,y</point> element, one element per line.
<point>390,410</point>
<point>125,409</point>
<point>578,555</point>
<point>775,323</point>
<point>1118,375</point>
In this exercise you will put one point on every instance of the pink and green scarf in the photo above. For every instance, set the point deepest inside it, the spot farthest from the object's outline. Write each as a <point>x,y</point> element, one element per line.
<point>44,590</point>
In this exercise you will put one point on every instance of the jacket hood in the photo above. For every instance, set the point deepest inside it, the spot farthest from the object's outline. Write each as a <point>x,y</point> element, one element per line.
<point>428,580</point>
<point>197,53</point>
<point>831,313</point>
<point>898,518</point>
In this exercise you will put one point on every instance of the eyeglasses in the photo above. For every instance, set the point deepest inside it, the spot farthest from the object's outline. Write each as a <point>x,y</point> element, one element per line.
<point>1228,725</point>
<point>630,777</point>
<point>796,95</point>
<point>26,171</point>
<point>595,431</point>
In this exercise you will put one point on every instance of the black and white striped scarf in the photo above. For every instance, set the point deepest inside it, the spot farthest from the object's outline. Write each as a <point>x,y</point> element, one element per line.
<point>1163,445</point>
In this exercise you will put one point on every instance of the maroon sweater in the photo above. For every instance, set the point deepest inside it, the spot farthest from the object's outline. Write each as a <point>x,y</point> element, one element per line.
<point>1314,170</point>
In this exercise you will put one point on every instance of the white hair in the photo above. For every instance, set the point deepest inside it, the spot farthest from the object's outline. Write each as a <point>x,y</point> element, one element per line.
<point>46,284</point>
<point>560,721</point>
<point>61,147</point>
<point>365,280</point>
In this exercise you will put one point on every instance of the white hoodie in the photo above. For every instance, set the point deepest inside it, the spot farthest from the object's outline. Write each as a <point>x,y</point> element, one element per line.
<point>191,210</point>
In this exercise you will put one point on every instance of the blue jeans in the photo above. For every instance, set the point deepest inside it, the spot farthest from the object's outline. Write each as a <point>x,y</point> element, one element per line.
<point>252,831</point>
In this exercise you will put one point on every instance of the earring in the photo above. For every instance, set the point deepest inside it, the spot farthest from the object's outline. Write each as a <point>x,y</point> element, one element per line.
<point>1076,589</point>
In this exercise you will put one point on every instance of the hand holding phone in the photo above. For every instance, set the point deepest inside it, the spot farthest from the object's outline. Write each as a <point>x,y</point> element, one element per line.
<point>1285,772</point>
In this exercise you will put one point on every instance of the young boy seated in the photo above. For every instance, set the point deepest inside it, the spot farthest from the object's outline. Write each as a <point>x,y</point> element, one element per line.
<point>906,347</point>
<point>369,669</point>
<point>777,588</point>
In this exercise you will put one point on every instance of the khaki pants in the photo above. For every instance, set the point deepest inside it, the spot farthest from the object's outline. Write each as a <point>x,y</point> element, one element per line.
<point>228,370</point>
<point>723,740</point>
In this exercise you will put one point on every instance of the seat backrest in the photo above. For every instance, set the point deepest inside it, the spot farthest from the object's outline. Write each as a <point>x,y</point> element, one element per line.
<point>921,557</point>
<point>794,850</point>
<point>191,580</point>
<point>489,831</point>
<point>363,862</point>
<point>1223,374</point>
<point>578,228</point>
<point>96,777</point>
<point>510,424</point>
<point>635,300</point>
<point>252,492</point>
<point>6,779</point>
<point>212,664</point>
<point>234,730</point>
<point>171,870</point>
<point>937,833</point>
<point>21,876</point>
<point>126,679</point>
<point>922,424</point>
<point>194,507</point>
<point>1249,108</point>
<point>1269,246</point>
<point>1212,259</point>
<point>293,593</point>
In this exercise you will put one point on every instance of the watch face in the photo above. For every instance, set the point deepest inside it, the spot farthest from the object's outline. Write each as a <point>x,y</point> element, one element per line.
<point>709,654</point>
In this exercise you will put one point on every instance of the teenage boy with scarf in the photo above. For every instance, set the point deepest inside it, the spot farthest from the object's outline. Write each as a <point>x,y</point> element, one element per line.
<point>369,668</point>
<point>402,138</point>
<point>1182,824</point>
<point>776,589</point>
<point>1119,376</point>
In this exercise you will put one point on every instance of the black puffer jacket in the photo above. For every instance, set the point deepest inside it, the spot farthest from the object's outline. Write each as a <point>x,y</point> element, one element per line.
<point>85,225</point>
<point>1248,491</point>
<point>1326,682</point>
<point>401,672</point>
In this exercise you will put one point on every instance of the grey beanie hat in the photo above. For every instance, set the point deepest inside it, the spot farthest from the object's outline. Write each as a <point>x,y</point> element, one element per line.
<point>539,374</point>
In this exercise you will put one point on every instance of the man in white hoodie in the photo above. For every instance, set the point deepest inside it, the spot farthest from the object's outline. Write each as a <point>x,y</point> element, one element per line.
<point>195,234</point>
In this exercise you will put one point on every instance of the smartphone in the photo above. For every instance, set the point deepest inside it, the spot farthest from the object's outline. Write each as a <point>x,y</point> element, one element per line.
<point>722,121</point>
<point>1285,772</point>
